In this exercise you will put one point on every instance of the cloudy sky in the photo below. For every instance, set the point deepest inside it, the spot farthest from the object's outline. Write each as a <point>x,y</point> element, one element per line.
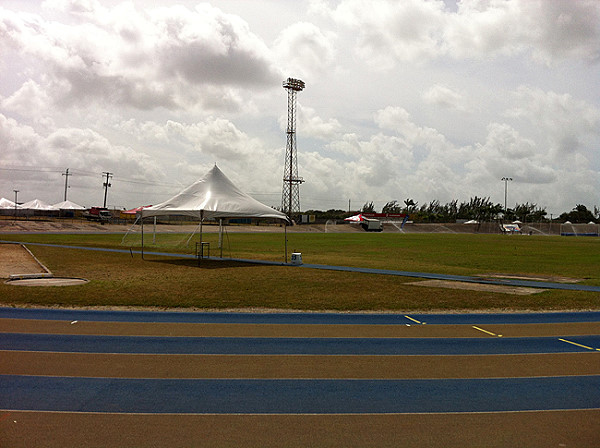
<point>404,99</point>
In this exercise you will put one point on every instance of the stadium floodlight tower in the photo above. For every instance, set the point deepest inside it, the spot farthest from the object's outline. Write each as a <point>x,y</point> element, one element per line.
<point>290,197</point>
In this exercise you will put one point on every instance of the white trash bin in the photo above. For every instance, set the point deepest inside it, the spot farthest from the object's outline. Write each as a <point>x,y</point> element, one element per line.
<point>297,258</point>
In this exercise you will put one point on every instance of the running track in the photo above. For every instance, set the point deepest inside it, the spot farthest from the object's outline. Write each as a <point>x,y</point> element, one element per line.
<point>20,392</point>
<point>224,382</point>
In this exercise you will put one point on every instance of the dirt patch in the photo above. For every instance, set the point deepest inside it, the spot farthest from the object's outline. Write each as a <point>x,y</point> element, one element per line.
<point>15,259</point>
<point>535,278</point>
<point>517,290</point>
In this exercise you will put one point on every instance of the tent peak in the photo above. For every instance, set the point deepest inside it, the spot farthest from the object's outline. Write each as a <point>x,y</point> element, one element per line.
<point>214,196</point>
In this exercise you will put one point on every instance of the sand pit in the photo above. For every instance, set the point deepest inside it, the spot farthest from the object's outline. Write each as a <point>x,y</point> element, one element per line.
<point>15,259</point>
<point>21,268</point>
<point>518,290</point>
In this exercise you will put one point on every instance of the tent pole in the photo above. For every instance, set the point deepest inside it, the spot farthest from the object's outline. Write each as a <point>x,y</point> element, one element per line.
<point>192,235</point>
<point>201,236</point>
<point>285,233</point>
<point>142,222</point>
<point>221,236</point>
<point>130,229</point>
<point>154,234</point>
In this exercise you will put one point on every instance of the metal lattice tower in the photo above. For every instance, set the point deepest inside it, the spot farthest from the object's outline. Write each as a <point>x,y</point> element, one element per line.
<point>290,196</point>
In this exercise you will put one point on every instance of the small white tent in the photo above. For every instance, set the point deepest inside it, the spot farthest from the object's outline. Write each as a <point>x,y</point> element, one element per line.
<point>7,203</point>
<point>37,204</point>
<point>355,218</point>
<point>68,205</point>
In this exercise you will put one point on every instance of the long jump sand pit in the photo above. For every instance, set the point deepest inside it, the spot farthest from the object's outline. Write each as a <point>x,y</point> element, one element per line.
<point>16,259</point>
<point>452,284</point>
<point>505,289</point>
<point>21,268</point>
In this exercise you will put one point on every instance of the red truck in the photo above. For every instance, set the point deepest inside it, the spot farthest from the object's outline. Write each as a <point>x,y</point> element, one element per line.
<point>98,214</point>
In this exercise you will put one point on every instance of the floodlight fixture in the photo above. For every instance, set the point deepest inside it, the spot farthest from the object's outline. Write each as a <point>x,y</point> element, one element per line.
<point>294,84</point>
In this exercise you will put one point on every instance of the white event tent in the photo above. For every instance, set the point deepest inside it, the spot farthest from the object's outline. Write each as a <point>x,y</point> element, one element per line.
<point>8,207</point>
<point>68,205</point>
<point>37,204</point>
<point>6,203</point>
<point>212,197</point>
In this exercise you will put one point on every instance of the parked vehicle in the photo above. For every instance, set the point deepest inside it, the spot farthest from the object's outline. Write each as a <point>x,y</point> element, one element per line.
<point>100,214</point>
<point>372,225</point>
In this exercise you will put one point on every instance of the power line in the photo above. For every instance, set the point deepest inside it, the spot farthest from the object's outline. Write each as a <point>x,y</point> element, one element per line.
<point>31,170</point>
<point>141,182</point>
<point>49,170</point>
<point>91,174</point>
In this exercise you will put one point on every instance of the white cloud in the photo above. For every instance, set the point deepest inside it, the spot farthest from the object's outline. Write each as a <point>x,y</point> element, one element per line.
<point>413,30</point>
<point>28,155</point>
<point>305,50</point>
<point>390,30</point>
<point>19,142</point>
<point>168,57</point>
<point>399,120</point>
<point>445,97</point>
<point>506,153</point>
<point>506,142</point>
<point>88,150</point>
<point>214,138</point>
<point>565,29</point>
<point>208,46</point>
<point>550,30</point>
<point>313,125</point>
<point>88,9</point>
<point>566,123</point>
<point>195,147</point>
<point>31,100</point>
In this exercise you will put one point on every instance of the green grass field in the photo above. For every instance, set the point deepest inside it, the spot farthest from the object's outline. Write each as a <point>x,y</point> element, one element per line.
<point>123,280</point>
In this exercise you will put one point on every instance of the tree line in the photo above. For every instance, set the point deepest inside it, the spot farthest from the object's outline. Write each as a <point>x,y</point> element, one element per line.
<point>477,208</point>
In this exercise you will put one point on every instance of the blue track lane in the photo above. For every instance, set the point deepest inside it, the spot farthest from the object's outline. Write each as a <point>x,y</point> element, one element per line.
<point>297,318</point>
<point>37,393</point>
<point>292,346</point>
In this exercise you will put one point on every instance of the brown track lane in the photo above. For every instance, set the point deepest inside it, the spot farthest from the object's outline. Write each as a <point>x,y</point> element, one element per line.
<point>492,430</point>
<point>295,330</point>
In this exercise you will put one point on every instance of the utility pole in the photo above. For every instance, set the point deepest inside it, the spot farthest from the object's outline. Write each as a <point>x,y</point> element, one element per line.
<point>66,174</point>
<point>505,179</point>
<point>106,185</point>
<point>16,192</point>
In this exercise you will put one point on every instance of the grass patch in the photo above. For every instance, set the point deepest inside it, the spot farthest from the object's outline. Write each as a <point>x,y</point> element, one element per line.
<point>120,280</point>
